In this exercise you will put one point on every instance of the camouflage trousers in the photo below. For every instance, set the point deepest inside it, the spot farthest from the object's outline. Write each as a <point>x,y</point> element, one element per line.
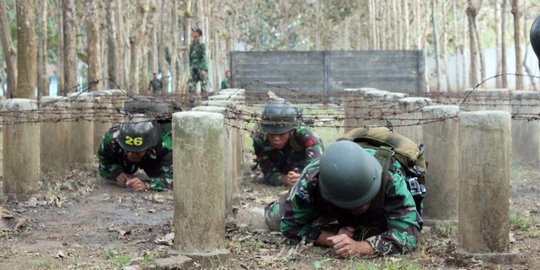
<point>196,77</point>
<point>273,213</point>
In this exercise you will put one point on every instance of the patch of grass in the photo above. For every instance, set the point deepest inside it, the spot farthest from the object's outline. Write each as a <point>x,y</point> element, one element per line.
<point>520,223</point>
<point>388,264</point>
<point>44,263</point>
<point>149,257</point>
<point>253,244</point>
<point>444,229</point>
<point>319,264</point>
<point>522,174</point>
<point>119,260</point>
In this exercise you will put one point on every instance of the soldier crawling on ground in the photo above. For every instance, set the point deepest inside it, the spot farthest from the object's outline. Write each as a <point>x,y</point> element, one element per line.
<point>345,201</point>
<point>137,144</point>
<point>284,146</point>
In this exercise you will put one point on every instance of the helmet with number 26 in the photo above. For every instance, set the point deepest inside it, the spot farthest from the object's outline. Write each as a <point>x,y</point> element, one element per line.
<point>138,136</point>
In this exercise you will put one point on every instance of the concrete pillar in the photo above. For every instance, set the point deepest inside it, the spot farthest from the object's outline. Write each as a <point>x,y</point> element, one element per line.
<point>475,101</point>
<point>485,147</point>
<point>370,108</point>
<point>199,186</point>
<point>229,163</point>
<point>441,140</point>
<point>55,132</point>
<point>390,106</point>
<point>410,116</point>
<point>118,100</point>
<point>351,105</point>
<point>21,147</point>
<point>103,115</point>
<point>81,140</point>
<point>526,132</point>
<point>499,99</point>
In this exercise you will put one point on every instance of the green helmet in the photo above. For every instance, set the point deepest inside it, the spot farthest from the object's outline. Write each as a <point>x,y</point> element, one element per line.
<point>349,176</point>
<point>138,136</point>
<point>535,37</point>
<point>279,116</point>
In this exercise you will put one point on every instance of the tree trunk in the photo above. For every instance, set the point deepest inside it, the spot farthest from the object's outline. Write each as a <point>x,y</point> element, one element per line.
<point>60,89</point>
<point>471,18</point>
<point>405,27</point>
<point>123,46</point>
<point>134,41</point>
<point>26,48</point>
<point>70,54</point>
<point>112,41</point>
<point>436,45</point>
<point>417,32</point>
<point>445,47</point>
<point>517,43</point>
<point>371,24</point>
<point>480,51</point>
<point>8,50</point>
<point>94,51</point>
<point>42,76</point>
<point>498,30</point>
<point>174,45</point>
<point>162,46</point>
<point>456,45</point>
<point>503,43</point>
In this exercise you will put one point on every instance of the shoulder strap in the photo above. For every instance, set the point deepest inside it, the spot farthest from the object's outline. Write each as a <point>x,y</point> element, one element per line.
<point>384,156</point>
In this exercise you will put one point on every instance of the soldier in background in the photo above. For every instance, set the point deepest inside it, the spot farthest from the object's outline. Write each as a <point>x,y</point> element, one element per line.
<point>197,64</point>
<point>226,83</point>
<point>156,85</point>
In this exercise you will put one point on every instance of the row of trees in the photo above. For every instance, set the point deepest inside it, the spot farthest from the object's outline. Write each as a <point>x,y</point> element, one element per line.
<point>128,40</point>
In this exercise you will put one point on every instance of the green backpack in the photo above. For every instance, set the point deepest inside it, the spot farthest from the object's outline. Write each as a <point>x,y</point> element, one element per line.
<point>390,144</point>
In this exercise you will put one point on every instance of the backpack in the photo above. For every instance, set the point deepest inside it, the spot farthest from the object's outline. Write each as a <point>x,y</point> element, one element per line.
<point>390,144</point>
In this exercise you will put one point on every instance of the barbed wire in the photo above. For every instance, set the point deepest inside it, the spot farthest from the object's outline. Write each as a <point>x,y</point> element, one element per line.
<point>337,110</point>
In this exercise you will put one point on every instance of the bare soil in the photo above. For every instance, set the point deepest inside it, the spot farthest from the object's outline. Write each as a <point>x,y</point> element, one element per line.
<point>79,221</point>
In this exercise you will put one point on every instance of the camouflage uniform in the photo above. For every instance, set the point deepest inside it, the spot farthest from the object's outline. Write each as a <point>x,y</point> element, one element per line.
<point>157,163</point>
<point>197,62</point>
<point>224,84</point>
<point>156,85</point>
<point>391,228</point>
<point>276,163</point>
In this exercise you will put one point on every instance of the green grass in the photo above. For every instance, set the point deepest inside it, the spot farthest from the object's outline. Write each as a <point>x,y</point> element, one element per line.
<point>444,229</point>
<point>520,223</point>
<point>388,264</point>
<point>149,257</point>
<point>119,260</point>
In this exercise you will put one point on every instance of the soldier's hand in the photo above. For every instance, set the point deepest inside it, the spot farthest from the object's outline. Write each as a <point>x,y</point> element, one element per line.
<point>346,246</point>
<point>122,178</point>
<point>137,185</point>
<point>291,178</point>
<point>348,231</point>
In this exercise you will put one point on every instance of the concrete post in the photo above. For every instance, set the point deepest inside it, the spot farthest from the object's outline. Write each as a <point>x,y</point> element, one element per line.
<point>390,107</point>
<point>411,114</point>
<point>441,140</point>
<point>526,133</point>
<point>476,101</point>
<point>485,147</point>
<point>118,100</point>
<point>55,131</point>
<point>21,147</point>
<point>351,105</point>
<point>81,140</point>
<point>229,165</point>
<point>370,108</point>
<point>199,186</point>
<point>103,116</point>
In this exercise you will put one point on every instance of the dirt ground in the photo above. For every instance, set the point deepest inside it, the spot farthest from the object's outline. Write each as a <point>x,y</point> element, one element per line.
<point>79,221</point>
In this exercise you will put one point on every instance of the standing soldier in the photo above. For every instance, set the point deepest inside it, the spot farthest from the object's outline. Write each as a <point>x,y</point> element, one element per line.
<point>156,85</point>
<point>197,63</point>
<point>285,146</point>
<point>134,145</point>
<point>226,83</point>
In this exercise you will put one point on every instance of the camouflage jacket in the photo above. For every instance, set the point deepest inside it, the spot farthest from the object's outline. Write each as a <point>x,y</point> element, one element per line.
<point>157,163</point>
<point>390,229</point>
<point>224,84</point>
<point>156,85</point>
<point>197,56</point>
<point>276,163</point>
